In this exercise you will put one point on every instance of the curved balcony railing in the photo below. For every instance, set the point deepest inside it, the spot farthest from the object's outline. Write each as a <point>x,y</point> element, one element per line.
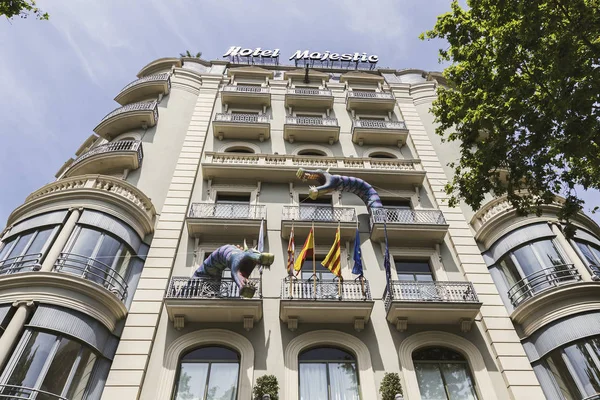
<point>27,262</point>
<point>207,288</point>
<point>162,77</point>
<point>227,211</point>
<point>319,213</point>
<point>10,392</point>
<point>242,118</point>
<point>406,216</point>
<point>439,292</point>
<point>311,121</point>
<point>378,124</point>
<point>246,89</point>
<point>595,270</point>
<point>92,270</point>
<point>113,147</point>
<point>541,280</point>
<point>310,92</point>
<point>359,94</point>
<point>311,289</point>
<point>140,106</point>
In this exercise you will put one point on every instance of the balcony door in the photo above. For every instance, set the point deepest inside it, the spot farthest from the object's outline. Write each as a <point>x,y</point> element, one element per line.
<point>328,373</point>
<point>398,211</point>
<point>417,281</point>
<point>236,205</point>
<point>320,279</point>
<point>319,209</point>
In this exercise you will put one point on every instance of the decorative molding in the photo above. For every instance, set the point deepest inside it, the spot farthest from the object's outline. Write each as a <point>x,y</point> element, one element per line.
<point>328,338</point>
<point>302,147</point>
<point>385,150</point>
<point>483,382</point>
<point>229,145</point>
<point>201,338</point>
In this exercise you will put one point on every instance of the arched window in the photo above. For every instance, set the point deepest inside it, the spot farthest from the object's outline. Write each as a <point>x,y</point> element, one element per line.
<point>311,152</point>
<point>208,373</point>
<point>328,373</point>
<point>381,154</point>
<point>443,374</point>
<point>239,149</point>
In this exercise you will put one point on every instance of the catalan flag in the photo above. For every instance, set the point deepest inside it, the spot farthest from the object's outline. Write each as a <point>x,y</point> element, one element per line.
<point>333,259</point>
<point>291,250</point>
<point>307,250</point>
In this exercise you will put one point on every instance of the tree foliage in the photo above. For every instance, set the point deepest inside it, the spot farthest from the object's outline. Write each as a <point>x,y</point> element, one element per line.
<point>190,55</point>
<point>390,386</point>
<point>266,384</point>
<point>21,8</point>
<point>523,99</point>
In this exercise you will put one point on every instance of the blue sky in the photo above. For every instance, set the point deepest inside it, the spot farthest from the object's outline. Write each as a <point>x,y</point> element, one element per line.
<point>58,77</point>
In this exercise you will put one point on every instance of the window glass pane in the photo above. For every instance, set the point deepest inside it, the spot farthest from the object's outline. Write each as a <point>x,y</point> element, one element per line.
<point>437,354</point>
<point>430,381</point>
<point>527,260</point>
<point>82,375</point>
<point>548,252</point>
<point>406,277</point>
<point>108,250</point>
<point>562,377</point>
<point>326,354</point>
<point>584,367</point>
<point>20,246</point>
<point>192,381</point>
<point>60,368</point>
<point>458,382</point>
<point>31,360</point>
<point>413,266</point>
<point>85,242</point>
<point>123,263</point>
<point>424,278</point>
<point>587,253</point>
<point>313,381</point>
<point>4,248</point>
<point>510,271</point>
<point>222,383</point>
<point>596,253</point>
<point>38,244</point>
<point>212,354</point>
<point>343,381</point>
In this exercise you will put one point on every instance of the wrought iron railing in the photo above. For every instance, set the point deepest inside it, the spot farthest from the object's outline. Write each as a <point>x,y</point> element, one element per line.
<point>207,288</point>
<point>114,147</point>
<point>314,289</point>
<point>10,392</point>
<point>310,92</point>
<point>311,121</point>
<point>319,213</point>
<point>246,89</point>
<point>27,262</point>
<point>140,106</point>
<point>360,94</point>
<point>595,270</point>
<point>242,118</point>
<point>407,216</point>
<point>165,76</point>
<point>437,292</point>
<point>92,270</point>
<point>378,124</point>
<point>542,279</point>
<point>227,210</point>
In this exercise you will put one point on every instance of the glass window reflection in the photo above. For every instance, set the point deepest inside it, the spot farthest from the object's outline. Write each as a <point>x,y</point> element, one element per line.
<point>328,374</point>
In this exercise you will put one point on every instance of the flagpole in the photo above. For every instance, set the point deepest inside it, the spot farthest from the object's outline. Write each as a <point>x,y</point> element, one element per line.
<point>260,270</point>
<point>314,262</point>
<point>339,277</point>
<point>291,267</point>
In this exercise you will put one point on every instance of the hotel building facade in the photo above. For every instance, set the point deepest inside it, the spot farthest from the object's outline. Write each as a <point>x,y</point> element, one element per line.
<point>97,298</point>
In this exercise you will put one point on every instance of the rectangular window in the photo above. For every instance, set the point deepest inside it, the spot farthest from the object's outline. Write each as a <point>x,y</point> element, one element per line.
<point>232,205</point>
<point>414,270</point>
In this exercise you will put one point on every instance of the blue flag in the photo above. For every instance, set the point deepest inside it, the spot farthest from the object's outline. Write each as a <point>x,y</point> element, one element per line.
<point>386,258</point>
<point>261,241</point>
<point>358,267</point>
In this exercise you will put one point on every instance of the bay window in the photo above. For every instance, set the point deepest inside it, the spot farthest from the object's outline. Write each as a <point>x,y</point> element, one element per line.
<point>24,251</point>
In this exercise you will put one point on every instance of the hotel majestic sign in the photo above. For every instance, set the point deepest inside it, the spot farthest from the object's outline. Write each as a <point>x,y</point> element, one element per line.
<point>235,52</point>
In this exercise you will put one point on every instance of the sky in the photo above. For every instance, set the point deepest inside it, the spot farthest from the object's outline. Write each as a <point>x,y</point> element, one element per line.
<point>58,77</point>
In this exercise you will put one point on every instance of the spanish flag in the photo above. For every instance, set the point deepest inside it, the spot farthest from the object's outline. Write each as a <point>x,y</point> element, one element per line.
<point>307,250</point>
<point>333,260</point>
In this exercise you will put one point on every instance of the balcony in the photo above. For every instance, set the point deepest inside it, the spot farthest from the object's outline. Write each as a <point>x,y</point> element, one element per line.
<point>415,227</point>
<point>108,158</point>
<point>24,263</point>
<point>541,280</point>
<point>159,65</point>
<point>211,300</point>
<point>431,303</point>
<point>376,132</point>
<point>311,129</point>
<point>246,95</point>
<point>282,168</point>
<point>98,191</point>
<point>372,101</point>
<point>242,126</point>
<point>325,302</point>
<point>309,98</point>
<point>144,88</point>
<point>10,392</point>
<point>132,116</point>
<point>225,219</point>
<point>325,219</point>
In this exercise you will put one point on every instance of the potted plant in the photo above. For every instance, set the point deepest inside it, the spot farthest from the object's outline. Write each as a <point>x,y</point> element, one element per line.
<point>266,385</point>
<point>390,387</point>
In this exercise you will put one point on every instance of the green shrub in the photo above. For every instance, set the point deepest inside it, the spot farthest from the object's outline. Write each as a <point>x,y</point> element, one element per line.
<point>390,386</point>
<point>266,384</point>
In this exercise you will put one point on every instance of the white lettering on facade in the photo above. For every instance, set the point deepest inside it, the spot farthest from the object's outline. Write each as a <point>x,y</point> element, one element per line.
<point>302,55</point>
<point>257,52</point>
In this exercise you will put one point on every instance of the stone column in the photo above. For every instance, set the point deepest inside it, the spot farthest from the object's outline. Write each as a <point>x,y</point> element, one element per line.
<point>12,334</point>
<point>571,253</point>
<point>61,240</point>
